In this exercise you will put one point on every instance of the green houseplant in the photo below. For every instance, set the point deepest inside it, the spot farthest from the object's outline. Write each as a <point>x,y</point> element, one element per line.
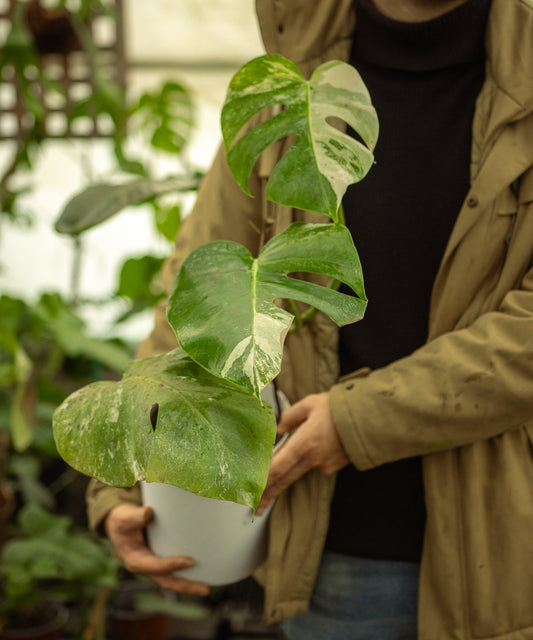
<point>47,567</point>
<point>194,417</point>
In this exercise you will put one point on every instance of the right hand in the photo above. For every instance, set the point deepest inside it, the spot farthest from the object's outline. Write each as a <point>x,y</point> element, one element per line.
<point>124,527</point>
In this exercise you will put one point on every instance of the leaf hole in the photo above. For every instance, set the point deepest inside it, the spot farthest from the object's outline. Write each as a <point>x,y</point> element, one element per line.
<point>153,415</point>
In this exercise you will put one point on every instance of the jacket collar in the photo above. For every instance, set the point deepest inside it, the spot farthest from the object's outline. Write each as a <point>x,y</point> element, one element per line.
<point>307,32</point>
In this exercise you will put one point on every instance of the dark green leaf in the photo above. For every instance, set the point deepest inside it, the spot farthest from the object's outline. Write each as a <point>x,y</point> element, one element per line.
<point>222,305</point>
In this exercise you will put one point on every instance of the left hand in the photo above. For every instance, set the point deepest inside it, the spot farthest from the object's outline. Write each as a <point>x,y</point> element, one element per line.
<point>315,443</point>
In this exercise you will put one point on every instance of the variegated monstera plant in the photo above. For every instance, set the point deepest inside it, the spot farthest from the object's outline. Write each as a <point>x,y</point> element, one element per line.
<point>194,417</point>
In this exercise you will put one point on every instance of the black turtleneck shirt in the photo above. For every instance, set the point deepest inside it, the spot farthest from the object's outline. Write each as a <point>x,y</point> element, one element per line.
<point>423,79</point>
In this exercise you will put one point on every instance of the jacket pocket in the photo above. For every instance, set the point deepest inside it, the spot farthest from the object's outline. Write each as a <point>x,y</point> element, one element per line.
<point>496,478</point>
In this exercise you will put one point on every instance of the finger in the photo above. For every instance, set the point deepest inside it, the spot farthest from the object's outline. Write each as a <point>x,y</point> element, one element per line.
<point>284,477</point>
<point>134,517</point>
<point>144,561</point>
<point>293,417</point>
<point>282,483</point>
<point>180,585</point>
<point>126,518</point>
<point>287,467</point>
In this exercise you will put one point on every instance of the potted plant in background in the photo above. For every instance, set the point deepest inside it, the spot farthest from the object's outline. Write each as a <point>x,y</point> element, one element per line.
<point>57,580</point>
<point>139,610</point>
<point>194,418</point>
<point>48,566</point>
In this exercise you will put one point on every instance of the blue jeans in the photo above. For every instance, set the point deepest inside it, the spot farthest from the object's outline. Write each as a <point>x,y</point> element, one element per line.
<point>360,599</point>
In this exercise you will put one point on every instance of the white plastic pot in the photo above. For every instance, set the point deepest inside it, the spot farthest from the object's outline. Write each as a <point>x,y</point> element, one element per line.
<point>225,539</point>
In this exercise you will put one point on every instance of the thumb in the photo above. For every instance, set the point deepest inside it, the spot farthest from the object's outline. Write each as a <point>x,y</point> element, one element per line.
<point>147,515</point>
<point>134,516</point>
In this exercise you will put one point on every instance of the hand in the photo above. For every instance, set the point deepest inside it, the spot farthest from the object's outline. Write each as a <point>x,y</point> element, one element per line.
<point>315,443</point>
<point>124,527</point>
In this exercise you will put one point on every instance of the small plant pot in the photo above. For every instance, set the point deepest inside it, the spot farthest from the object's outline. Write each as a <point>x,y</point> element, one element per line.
<point>225,539</point>
<point>124,622</point>
<point>31,628</point>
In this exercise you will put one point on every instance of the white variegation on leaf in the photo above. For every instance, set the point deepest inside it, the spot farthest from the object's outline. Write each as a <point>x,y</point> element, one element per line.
<point>222,305</point>
<point>169,420</point>
<point>323,161</point>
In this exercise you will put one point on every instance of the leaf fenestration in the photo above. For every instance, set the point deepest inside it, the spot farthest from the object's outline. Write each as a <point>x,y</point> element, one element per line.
<point>316,170</point>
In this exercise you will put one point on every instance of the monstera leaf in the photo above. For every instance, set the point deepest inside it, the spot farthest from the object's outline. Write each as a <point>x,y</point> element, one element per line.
<point>323,161</point>
<point>168,420</point>
<point>222,305</point>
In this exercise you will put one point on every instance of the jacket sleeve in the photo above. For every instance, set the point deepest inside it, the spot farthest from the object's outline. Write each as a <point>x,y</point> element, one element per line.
<point>222,211</point>
<point>462,387</point>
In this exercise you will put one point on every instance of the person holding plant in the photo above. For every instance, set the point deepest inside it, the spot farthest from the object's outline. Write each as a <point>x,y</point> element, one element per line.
<point>404,503</point>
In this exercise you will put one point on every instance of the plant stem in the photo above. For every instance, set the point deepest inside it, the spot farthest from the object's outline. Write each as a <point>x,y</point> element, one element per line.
<point>298,322</point>
<point>62,481</point>
<point>96,613</point>
<point>312,311</point>
<point>76,271</point>
<point>340,214</point>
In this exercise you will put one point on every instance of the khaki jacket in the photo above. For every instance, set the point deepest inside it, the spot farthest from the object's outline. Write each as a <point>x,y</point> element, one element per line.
<point>463,401</point>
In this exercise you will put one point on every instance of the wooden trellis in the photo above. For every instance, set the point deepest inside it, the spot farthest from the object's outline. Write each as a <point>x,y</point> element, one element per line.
<point>64,61</point>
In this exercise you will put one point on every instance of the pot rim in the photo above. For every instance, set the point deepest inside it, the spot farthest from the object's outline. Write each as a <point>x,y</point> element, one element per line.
<point>57,622</point>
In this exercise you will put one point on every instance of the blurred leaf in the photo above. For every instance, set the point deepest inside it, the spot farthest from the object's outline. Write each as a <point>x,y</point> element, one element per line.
<point>70,333</point>
<point>43,438</point>
<point>51,548</point>
<point>149,602</point>
<point>87,9</point>
<point>7,374</point>
<point>109,98</point>
<point>27,471</point>
<point>99,202</point>
<point>14,314</point>
<point>106,96</point>
<point>19,51</point>
<point>169,115</point>
<point>24,402</point>
<point>37,522</point>
<point>126,164</point>
<point>168,221</point>
<point>137,279</point>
